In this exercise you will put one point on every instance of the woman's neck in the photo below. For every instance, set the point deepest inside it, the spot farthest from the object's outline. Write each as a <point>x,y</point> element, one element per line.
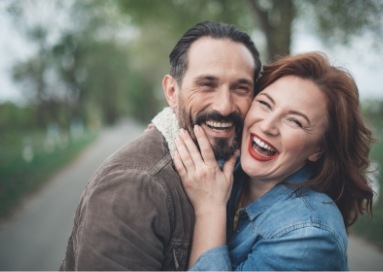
<point>257,188</point>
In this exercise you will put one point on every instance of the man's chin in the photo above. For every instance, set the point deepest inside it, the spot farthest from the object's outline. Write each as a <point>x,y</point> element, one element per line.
<point>223,150</point>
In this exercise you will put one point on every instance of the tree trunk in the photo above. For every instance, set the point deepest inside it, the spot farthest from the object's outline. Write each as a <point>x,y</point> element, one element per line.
<point>275,18</point>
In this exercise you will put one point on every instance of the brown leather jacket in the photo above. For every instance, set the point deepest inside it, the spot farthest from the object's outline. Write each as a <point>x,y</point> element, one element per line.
<point>133,214</point>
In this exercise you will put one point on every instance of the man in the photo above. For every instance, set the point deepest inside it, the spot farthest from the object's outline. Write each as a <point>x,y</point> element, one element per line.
<point>134,213</point>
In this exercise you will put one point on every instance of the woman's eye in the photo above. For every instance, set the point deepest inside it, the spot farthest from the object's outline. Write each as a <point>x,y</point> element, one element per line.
<point>295,122</point>
<point>264,104</point>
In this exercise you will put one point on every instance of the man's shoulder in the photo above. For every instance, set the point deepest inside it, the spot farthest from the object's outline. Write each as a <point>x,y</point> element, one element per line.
<point>145,160</point>
<point>149,152</point>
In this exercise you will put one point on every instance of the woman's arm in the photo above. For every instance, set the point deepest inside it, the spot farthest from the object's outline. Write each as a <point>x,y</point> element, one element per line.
<point>208,188</point>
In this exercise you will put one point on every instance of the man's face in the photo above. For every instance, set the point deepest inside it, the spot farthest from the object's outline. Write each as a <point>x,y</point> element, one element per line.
<point>216,92</point>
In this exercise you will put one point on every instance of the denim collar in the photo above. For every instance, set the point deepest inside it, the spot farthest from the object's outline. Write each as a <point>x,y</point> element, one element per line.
<point>279,192</point>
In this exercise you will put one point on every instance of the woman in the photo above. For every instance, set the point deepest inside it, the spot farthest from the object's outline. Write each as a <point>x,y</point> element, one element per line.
<point>302,183</point>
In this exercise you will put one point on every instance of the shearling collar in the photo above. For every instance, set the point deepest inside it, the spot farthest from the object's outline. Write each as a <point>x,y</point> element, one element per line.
<point>167,123</point>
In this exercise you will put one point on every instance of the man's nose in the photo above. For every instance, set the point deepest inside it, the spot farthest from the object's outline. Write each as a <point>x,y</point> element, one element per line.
<point>223,102</point>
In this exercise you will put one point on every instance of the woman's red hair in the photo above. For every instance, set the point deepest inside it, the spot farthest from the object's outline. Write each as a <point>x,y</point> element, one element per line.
<point>341,170</point>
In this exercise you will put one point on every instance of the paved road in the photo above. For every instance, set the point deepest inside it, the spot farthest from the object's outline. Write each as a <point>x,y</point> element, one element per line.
<point>35,237</point>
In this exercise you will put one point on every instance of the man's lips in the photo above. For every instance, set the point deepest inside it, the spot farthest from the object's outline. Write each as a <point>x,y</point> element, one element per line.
<point>219,125</point>
<point>218,129</point>
<point>261,150</point>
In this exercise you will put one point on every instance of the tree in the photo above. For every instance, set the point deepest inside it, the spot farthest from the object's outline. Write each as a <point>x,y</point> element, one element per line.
<point>33,74</point>
<point>335,20</point>
<point>80,66</point>
<point>37,75</point>
<point>339,21</point>
<point>275,18</point>
<point>110,53</point>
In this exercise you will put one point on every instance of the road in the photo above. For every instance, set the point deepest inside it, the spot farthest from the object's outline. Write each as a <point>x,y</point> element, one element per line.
<point>35,237</point>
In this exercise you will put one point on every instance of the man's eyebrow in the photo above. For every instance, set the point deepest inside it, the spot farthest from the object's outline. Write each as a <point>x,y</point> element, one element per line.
<point>244,81</point>
<point>206,77</point>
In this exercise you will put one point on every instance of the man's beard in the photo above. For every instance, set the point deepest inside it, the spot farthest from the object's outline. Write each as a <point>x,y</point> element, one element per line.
<point>223,148</point>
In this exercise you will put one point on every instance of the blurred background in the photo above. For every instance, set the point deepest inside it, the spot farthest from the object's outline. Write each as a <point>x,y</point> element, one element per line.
<point>70,70</point>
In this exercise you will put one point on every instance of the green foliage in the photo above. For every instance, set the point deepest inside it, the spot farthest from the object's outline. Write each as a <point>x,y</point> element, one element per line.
<point>371,228</point>
<point>28,160</point>
<point>110,45</point>
<point>373,113</point>
<point>29,156</point>
<point>14,117</point>
<point>175,16</point>
<point>85,68</point>
<point>339,21</point>
<point>143,101</point>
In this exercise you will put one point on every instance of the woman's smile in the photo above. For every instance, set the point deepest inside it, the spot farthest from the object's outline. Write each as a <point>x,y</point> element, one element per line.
<point>261,150</point>
<point>283,129</point>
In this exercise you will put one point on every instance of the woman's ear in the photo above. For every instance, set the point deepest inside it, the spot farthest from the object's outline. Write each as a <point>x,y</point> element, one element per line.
<point>169,86</point>
<point>316,155</point>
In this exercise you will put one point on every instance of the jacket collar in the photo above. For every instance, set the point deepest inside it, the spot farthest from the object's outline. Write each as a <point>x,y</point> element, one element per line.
<point>279,192</point>
<point>167,123</point>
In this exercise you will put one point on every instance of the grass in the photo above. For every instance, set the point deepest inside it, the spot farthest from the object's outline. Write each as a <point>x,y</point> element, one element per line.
<point>27,162</point>
<point>367,227</point>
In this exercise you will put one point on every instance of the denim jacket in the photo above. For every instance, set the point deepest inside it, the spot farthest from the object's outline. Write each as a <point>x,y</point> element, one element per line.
<point>286,229</point>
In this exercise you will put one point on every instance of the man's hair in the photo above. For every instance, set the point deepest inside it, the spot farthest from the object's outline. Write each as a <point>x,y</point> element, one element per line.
<point>178,57</point>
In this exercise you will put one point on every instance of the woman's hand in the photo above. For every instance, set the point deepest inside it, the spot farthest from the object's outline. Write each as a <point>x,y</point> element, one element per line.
<point>207,186</point>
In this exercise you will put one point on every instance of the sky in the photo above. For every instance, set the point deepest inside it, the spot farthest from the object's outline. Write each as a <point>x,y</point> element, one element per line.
<point>360,58</point>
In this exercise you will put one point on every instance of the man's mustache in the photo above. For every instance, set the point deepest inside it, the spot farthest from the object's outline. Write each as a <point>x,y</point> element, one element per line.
<point>233,117</point>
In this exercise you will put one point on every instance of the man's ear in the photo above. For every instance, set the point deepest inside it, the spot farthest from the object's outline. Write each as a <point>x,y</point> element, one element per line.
<point>169,85</point>
<point>316,155</point>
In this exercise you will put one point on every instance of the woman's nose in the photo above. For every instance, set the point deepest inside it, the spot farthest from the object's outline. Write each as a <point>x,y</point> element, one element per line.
<point>269,125</point>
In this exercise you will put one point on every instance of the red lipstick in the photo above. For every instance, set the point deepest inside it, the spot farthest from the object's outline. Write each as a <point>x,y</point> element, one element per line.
<point>254,154</point>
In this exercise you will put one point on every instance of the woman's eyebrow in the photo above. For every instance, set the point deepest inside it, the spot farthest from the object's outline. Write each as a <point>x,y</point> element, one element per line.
<point>300,114</point>
<point>291,111</point>
<point>268,96</point>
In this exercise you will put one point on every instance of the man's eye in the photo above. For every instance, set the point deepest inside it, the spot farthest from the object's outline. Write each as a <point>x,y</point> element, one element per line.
<point>207,84</point>
<point>243,89</point>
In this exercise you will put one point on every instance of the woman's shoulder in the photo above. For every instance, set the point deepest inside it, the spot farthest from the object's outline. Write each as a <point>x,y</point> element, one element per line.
<point>302,209</point>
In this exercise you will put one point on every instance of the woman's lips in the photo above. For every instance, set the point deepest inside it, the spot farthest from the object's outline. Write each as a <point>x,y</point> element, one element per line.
<point>261,150</point>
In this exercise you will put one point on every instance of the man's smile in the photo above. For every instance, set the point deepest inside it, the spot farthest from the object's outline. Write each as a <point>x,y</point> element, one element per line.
<point>219,125</point>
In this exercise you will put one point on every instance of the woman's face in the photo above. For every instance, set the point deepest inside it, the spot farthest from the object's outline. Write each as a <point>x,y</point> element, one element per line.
<point>283,129</point>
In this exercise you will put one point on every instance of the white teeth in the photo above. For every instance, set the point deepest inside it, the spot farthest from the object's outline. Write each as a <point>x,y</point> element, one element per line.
<point>262,144</point>
<point>219,124</point>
